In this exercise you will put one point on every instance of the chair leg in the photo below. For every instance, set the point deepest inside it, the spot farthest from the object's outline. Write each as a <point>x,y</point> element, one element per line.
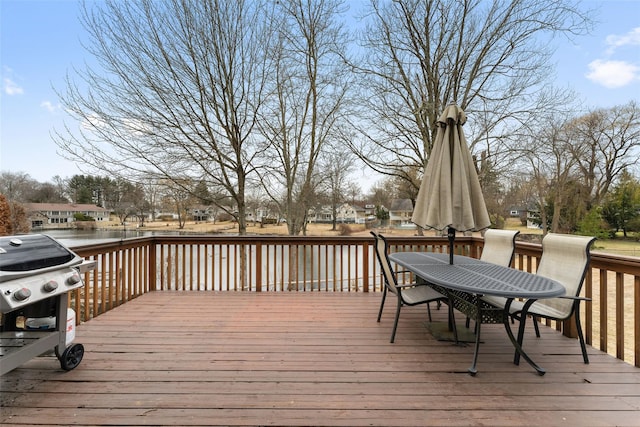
<point>520,339</point>
<point>429,311</point>
<point>452,322</point>
<point>583,346</point>
<point>535,325</point>
<point>473,370</point>
<point>384,296</point>
<point>395,323</point>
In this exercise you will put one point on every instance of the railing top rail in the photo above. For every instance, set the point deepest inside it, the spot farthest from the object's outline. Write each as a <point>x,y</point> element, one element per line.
<point>253,239</point>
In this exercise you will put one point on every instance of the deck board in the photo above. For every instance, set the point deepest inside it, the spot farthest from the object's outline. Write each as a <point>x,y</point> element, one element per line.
<point>202,358</point>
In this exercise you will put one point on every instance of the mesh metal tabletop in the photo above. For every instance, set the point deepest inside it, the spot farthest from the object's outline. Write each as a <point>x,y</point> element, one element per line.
<point>476,276</point>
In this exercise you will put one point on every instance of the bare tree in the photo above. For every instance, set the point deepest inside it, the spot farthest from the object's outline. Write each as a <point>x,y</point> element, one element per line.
<point>179,195</point>
<point>605,142</point>
<point>47,193</point>
<point>17,186</point>
<point>573,160</point>
<point>307,102</point>
<point>335,167</point>
<point>152,193</point>
<point>420,55</point>
<point>553,170</point>
<point>382,192</point>
<point>176,95</point>
<point>123,198</point>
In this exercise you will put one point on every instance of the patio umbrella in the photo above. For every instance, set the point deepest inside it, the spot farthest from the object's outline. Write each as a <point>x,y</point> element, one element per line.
<point>450,195</point>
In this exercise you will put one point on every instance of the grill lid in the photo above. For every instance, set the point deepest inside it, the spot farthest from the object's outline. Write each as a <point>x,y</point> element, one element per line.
<point>32,252</point>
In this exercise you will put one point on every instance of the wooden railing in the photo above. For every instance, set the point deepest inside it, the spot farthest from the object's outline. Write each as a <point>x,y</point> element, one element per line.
<point>132,267</point>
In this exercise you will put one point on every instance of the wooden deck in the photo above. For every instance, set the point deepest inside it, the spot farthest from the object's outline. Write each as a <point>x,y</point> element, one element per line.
<point>203,358</point>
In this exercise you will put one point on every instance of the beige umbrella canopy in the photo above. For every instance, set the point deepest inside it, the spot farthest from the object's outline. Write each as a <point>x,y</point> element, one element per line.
<point>450,195</point>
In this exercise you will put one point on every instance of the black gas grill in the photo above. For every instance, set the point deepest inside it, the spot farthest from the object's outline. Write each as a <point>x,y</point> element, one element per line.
<point>36,274</point>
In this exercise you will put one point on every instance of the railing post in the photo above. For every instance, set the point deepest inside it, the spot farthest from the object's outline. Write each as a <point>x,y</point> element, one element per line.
<point>152,263</point>
<point>569,328</point>
<point>603,311</point>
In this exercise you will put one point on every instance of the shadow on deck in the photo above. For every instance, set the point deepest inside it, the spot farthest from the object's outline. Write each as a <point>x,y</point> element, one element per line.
<point>205,358</point>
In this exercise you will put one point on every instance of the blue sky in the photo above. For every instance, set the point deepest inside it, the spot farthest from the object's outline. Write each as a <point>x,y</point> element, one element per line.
<point>40,41</point>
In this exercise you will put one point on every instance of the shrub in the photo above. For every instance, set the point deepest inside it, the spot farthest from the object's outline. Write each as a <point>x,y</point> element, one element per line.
<point>344,230</point>
<point>79,216</point>
<point>593,225</point>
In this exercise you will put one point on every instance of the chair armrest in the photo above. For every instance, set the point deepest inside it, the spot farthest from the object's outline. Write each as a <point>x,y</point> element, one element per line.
<point>410,285</point>
<point>575,298</point>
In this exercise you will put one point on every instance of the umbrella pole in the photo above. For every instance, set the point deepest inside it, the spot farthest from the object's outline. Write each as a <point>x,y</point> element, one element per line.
<point>451,234</point>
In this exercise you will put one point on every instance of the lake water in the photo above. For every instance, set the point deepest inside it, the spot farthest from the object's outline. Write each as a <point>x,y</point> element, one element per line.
<point>88,237</point>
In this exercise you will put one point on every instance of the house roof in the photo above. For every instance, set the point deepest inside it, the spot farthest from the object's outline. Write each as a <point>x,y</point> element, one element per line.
<point>401,205</point>
<point>72,207</point>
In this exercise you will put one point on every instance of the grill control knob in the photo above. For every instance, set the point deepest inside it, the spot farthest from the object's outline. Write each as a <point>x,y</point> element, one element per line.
<point>21,294</point>
<point>50,286</point>
<point>73,280</point>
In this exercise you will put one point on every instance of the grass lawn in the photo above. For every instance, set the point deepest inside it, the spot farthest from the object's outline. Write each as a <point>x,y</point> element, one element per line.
<point>618,246</point>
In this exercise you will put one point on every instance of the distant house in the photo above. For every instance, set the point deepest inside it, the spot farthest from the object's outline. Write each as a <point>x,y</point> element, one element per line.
<point>323,215</point>
<point>261,214</point>
<point>370,212</point>
<point>61,215</point>
<point>202,213</point>
<point>347,213</point>
<point>400,213</point>
<point>516,211</point>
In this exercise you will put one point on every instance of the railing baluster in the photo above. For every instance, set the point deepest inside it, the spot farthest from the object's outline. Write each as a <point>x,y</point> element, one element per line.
<point>636,320</point>
<point>619,315</point>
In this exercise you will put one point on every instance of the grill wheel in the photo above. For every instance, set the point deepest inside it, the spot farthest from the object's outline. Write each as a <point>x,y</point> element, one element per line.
<point>71,357</point>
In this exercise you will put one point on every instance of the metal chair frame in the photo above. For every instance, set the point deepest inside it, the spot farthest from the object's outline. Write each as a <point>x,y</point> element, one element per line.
<point>565,258</point>
<point>407,294</point>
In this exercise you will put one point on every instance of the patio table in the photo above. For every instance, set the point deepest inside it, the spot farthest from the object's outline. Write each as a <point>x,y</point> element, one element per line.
<point>469,279</point>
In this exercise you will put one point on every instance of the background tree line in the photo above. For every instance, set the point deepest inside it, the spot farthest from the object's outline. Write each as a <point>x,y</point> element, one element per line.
<point>163,198</point>
<point>280,101</point>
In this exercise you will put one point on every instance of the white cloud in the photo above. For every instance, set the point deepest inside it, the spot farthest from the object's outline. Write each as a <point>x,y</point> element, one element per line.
<point>10,87</point>
<point>613,74</point>
<point>47,105</point>
<point>614,41</point>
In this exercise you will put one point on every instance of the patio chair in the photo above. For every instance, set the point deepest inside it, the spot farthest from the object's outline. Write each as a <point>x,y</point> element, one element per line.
<point>499,248</point>
<point>407,294</point>
<point>565,259</point>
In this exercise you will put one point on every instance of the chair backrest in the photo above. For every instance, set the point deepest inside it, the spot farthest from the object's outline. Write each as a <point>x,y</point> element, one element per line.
<point>499,246</point>
<point>565,259</point>
<point>382,249</point>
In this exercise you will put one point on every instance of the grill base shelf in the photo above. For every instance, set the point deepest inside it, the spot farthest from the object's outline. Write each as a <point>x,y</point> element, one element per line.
<point>16,347</point>
<point>19,346</point>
